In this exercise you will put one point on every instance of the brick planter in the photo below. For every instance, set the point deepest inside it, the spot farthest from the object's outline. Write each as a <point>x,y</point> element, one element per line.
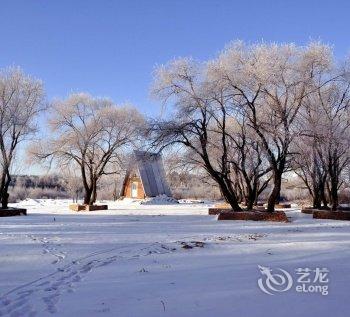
<point>283,205</point>
<point>223,206</point>
<point>259,207</point>
<point>76,207</point>
<point>328,214</point>
<point>277,216</point>
<point>308,210</point>
<point>216,211</point>
<point>9,212</point>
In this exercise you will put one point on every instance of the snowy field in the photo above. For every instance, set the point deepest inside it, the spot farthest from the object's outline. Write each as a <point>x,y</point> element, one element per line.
<point>170,260</point>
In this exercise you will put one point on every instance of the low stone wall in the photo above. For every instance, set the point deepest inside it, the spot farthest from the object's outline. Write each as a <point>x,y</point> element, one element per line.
<point>259,206</point>
<point>223,206</point>
<point>308,210</point>
<point>76,207</point>
<point>283,205</point>
<point>216,211</point>
<point>340,214</point>
<point>328,214</point>
<point>277,216</point>
<point>9,212</point>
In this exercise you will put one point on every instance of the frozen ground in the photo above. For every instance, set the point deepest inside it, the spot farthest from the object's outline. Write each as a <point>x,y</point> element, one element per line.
<point>173,260</point>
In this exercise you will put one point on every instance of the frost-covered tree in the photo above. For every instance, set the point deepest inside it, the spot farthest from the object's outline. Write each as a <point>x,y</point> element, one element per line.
<point>21,100</point>
<point>261,87</point>
<point>72,182</point>
<point>311,168</point>
<point>250,171</point>
<point>198,118</point>
<point>269,83</point>
<point>322,150</point>
<point>90,133</point>
<point>210,127</point>
<point>335,104</point>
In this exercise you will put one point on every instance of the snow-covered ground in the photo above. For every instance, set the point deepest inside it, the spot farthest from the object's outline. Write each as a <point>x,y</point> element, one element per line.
<point>171,260</point>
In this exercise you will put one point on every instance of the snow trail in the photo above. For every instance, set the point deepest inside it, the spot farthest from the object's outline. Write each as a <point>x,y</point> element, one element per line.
<point>49,248</point>
<point>47,289</point>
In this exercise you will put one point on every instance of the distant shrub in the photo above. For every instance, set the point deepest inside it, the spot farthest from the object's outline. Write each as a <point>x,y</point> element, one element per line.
<point>198,192</point>
<point>18,193</point>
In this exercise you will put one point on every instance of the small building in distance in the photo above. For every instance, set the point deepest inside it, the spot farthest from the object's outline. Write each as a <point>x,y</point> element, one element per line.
<point>145,177</point>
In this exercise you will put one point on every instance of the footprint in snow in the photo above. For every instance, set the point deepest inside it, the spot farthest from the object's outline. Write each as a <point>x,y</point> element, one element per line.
<point>48,289</point>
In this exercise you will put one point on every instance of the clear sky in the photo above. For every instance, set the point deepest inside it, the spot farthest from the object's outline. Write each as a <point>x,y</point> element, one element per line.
<point>109,48</point>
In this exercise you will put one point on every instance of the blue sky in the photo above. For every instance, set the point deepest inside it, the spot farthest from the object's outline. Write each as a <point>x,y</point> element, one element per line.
<point>109,48</point>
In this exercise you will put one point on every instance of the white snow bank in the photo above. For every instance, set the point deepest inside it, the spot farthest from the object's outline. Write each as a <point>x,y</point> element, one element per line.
<point>159,200</point>
<point>175,260</point>
<point>191,201</point>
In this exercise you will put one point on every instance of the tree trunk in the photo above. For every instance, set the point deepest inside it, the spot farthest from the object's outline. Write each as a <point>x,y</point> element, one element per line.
<point>87,195</point>
<point>334,194</point>
<point>275,193</point>
<point>5,183</point>
<point>229,195</point>
<point>2,186</point>
<point>94,192</point>
<point>225,186</point>
<point>334,172</point>
<point>316,197</point>
<point>316,202</point>
<point>232,201</point>
<point>251,196</point>
<point>5,200</point>
<point>323,197</point>
<point>250,203</point>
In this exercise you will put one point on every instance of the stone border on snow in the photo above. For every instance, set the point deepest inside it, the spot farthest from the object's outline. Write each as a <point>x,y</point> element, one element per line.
<point>276,216</point>
<point>283,206</point>
<point>260,206</point>
<point>258,215</point>
<point>9,212</point>
<point>216,211</point>
<point>328,214</point>
<point>307,210</point>
<point>340,214</point>
<point>77,207</point>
